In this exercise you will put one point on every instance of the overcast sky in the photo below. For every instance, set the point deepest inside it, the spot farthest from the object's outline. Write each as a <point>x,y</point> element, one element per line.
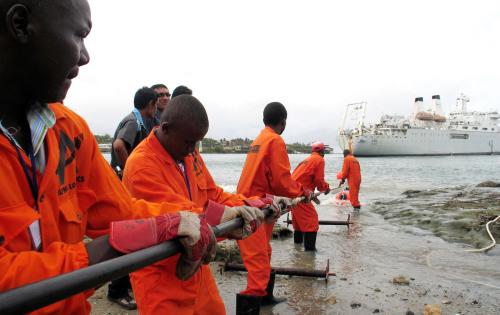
<point>313,56</point>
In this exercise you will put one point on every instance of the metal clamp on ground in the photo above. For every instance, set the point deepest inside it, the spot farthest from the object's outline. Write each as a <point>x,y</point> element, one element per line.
<point>300,272</point>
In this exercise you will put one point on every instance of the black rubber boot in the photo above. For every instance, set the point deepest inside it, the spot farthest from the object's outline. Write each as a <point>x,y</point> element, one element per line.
<point>298,237</point>
<point>270,299</point>
<point>310,241</point>
<point>247,304</point>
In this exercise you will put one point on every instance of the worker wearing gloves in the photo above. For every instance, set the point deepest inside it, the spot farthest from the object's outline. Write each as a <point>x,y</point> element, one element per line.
<point>166,167</point>
<point>57,186</point>
<point>266,171</point>
<point>352,172</point>
<point>311,174</point>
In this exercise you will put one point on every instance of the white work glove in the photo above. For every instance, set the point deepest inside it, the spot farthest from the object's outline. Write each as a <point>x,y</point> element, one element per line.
<point>282,203</point>
<point>309,196</point>
<point>251,216</point>
<point>217,213</point>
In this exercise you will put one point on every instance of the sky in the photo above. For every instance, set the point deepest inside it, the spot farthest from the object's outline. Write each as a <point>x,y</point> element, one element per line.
<point>315,57</point>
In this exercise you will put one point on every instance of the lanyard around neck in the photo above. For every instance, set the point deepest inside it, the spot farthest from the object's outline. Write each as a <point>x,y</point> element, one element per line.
<point>138,118</point>
<point>31,178</point>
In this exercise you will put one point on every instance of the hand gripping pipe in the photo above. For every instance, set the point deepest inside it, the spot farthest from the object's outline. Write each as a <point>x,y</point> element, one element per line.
<point>33,296</point>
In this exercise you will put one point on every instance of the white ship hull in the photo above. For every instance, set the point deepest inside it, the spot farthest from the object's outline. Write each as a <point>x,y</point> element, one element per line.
<point>416,141</point>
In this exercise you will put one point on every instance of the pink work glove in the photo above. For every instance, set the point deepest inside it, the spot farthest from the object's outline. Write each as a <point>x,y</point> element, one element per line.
<point>252,217</point>
<point>192,232</point>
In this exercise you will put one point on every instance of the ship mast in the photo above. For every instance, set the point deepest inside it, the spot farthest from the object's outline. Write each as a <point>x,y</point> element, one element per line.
<point>462,101</point>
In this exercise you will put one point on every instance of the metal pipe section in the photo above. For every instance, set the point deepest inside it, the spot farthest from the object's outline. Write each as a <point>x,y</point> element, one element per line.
<point>348,222</point>
<point>36,295</point>
<point>325,222</point>
<point>33,296</point>
<point>301,272</point>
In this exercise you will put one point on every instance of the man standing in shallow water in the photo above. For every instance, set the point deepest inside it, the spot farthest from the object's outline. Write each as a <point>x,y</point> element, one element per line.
<point>60,187</point>
<point>352,172</point>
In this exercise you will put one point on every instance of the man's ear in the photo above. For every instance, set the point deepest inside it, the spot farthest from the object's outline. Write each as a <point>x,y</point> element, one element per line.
<point>18,22</point>
<point>164,127</point>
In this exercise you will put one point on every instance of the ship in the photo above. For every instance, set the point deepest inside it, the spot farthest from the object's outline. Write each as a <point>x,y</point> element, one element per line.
<point>427,131</point>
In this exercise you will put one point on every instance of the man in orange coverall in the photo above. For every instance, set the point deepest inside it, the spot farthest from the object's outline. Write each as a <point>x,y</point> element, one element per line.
<point>311,174</point>
<point>352,172</point>
<point>56,185</point>
<point>266,171</point>
<point>166,167</point>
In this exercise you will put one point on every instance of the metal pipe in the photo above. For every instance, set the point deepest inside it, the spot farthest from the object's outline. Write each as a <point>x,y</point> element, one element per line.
<point>325,222</point>
<point>348,222</point>
<point>301,272</point>
<point>33,296</point>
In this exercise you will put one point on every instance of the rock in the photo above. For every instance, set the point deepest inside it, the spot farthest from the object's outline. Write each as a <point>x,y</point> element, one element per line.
<point>281,231</point>
<point>355,305</point>
<point>228,251</point>
<point>446,302</point>
<point>343,279</point>
<point>376,311</point>
<point>331,300</point>
<point>411,193</point>
<point>401,280</point>
<point>489,183</point>
<point>432,309</point>
<point>409,313</point>
<point>377,290</point>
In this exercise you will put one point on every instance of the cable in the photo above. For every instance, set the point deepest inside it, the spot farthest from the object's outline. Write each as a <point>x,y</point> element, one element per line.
<point>487,248</point>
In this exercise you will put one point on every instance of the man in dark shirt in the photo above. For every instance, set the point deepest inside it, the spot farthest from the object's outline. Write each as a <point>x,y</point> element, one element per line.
<point>135,127</point>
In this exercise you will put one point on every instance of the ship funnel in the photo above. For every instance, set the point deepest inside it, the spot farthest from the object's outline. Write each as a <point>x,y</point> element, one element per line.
<point>437,107</point>
<point>417,107</point>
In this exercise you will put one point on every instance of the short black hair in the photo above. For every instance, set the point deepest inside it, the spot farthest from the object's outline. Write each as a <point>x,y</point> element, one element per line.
<point>143,97</point>
<point>185,110</point>
<point>347,152</point>
<point>181,90</point>
<point>158,86</point>
<point>274,113</point>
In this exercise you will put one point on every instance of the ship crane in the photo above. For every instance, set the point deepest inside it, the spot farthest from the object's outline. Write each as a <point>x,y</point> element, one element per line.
<point>354,112</point>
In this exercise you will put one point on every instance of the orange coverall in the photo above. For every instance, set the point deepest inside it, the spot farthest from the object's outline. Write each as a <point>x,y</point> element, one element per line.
<point>352,171</point>
<point>266,171</point>
<point>79,194</point>
<point>152,174</point>
<point>311,174</point>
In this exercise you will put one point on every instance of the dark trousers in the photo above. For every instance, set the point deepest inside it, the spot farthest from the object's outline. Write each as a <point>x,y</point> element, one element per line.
<point>119,288</point>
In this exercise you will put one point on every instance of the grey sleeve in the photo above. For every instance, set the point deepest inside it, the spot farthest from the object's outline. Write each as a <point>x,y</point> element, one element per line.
<point>128,132</point>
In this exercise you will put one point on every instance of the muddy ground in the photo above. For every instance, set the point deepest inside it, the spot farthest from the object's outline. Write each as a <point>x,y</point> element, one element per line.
<point>417,237</point>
